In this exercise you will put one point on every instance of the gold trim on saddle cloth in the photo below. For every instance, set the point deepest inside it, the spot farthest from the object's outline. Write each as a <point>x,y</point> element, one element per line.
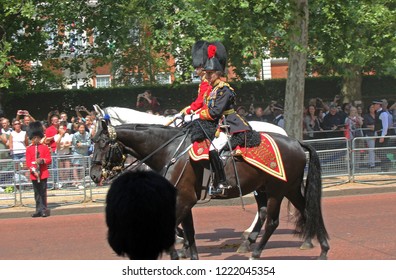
<point>199,150</point>
<point>265,157</point>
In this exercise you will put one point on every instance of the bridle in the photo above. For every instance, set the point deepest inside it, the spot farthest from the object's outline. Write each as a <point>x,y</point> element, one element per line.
<point>114,160</point>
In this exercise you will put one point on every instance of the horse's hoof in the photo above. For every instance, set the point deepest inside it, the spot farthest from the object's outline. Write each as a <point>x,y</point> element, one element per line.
<point>244,247</point>
<point>322,257</point>
<point>306,246</point>
<point>245,235</point>
<point>255,255</point>
<point>182,254</point>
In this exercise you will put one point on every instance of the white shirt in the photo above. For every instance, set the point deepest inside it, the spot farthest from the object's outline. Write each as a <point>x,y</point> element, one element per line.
<point>66,138</point>
<point>18,142</point>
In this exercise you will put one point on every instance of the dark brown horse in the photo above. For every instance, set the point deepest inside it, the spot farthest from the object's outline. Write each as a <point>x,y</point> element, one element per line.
<point>164,150</point>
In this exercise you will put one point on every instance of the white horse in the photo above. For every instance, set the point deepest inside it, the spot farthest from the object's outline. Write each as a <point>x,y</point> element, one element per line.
<point>120,115</point>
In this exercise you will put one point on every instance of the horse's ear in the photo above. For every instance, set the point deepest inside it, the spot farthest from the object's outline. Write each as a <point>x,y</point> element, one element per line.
<point>99,110</point>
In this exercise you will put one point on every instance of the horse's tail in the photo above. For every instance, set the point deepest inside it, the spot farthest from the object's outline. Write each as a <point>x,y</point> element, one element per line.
<point>311,221</point>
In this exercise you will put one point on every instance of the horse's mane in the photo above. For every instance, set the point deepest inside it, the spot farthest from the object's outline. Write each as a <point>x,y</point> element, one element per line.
<point>120,115</point>
<point>139,126</point>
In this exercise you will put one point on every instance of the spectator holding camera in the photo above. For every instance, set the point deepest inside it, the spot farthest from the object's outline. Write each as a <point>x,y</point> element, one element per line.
<point>147,102</point>
<point>26,119</point>
<point>18,142</point>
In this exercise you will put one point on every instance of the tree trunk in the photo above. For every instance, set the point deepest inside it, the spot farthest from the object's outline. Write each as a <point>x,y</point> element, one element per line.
<point>294,99</point>
<point>352,85</point>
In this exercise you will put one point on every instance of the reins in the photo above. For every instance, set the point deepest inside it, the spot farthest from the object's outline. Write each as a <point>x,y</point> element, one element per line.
<point>173,159</point>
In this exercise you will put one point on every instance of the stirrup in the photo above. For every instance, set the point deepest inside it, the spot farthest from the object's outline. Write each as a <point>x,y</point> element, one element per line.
<point>215,191</point>
<point>224,186</point>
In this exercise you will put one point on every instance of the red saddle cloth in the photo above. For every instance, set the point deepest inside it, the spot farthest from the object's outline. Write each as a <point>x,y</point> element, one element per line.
<point>265,157</point>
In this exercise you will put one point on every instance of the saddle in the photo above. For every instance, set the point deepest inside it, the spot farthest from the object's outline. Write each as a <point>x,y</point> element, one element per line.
<point>266,156</point>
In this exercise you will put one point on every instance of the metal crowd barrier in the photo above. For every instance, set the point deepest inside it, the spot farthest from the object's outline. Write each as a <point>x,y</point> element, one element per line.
<point>334,158</point>
<point>69,182</point>
<point>368,160</point>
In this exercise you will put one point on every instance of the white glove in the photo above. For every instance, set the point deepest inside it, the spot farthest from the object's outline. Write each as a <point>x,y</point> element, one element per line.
<point>178,115</point>
<point>190,118</point>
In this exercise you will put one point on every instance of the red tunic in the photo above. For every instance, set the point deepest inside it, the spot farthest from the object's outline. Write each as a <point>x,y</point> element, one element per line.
<point>44,153</point>
<point>51,132</point>
<point>204,89</point>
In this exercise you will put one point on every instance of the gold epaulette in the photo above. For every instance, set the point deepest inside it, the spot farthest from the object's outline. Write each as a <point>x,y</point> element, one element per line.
<point>228,112</point>
<point>221,84</point>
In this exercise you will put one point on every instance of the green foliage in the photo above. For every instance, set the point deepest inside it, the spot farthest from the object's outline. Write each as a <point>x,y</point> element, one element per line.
<point>354,33</point>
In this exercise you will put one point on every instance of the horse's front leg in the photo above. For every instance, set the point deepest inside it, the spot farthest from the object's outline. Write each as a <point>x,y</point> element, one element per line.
<point>189,232</point>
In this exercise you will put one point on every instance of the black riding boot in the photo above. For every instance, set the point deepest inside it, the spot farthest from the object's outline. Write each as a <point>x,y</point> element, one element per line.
<point>217,167</point>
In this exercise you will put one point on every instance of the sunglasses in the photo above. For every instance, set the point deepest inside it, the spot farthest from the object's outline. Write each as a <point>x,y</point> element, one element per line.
<point>17,123</point>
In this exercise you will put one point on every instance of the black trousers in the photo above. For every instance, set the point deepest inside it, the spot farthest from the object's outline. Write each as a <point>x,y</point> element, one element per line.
<point>40,195</point>
<point>381,154</point>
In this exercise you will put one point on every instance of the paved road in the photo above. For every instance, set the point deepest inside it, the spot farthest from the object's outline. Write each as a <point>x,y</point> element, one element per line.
<point>360,227</point>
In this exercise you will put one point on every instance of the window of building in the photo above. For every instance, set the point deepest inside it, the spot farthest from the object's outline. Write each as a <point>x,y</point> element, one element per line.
<point>103,81</point>
<point>136,79</point>
<point>249,74</point>
<point>163,78</point>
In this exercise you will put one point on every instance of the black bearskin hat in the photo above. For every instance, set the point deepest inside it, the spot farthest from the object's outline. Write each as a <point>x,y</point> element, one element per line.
<point>221,53</point>
<point>35,129</point>
<point>217,57</point>
<point>199,53</point>
<point>141,206</point>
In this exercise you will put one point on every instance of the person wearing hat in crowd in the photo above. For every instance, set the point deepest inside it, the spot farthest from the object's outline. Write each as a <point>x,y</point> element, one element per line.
<point>278,113</point>
<point>38,157</point>
<point>219,110</point>
<point>381,126</point>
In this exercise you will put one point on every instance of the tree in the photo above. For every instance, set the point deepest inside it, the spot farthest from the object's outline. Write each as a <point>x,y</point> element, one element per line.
<point>351,39</point>
<point>294,99</point>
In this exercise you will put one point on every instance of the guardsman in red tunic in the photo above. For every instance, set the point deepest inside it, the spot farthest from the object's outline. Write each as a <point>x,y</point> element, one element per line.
<point>38,157</point>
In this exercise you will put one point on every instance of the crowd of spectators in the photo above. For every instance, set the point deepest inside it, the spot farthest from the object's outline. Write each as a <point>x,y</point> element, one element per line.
<point>69,141</point>
<point>327,119</point>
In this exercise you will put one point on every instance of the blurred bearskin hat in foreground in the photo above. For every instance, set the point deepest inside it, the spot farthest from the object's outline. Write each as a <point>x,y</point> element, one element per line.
<point>141,215</point>
<point>35,129</point>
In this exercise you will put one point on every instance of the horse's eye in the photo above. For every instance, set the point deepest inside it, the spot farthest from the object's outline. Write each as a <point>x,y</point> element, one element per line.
<point>102,143</point>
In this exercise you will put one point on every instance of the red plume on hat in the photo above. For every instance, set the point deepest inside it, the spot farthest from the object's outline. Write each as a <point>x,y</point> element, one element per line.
<point>211,51</point>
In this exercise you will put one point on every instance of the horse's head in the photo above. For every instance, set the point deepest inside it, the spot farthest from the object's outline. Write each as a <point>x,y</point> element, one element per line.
<point>108,158</point>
